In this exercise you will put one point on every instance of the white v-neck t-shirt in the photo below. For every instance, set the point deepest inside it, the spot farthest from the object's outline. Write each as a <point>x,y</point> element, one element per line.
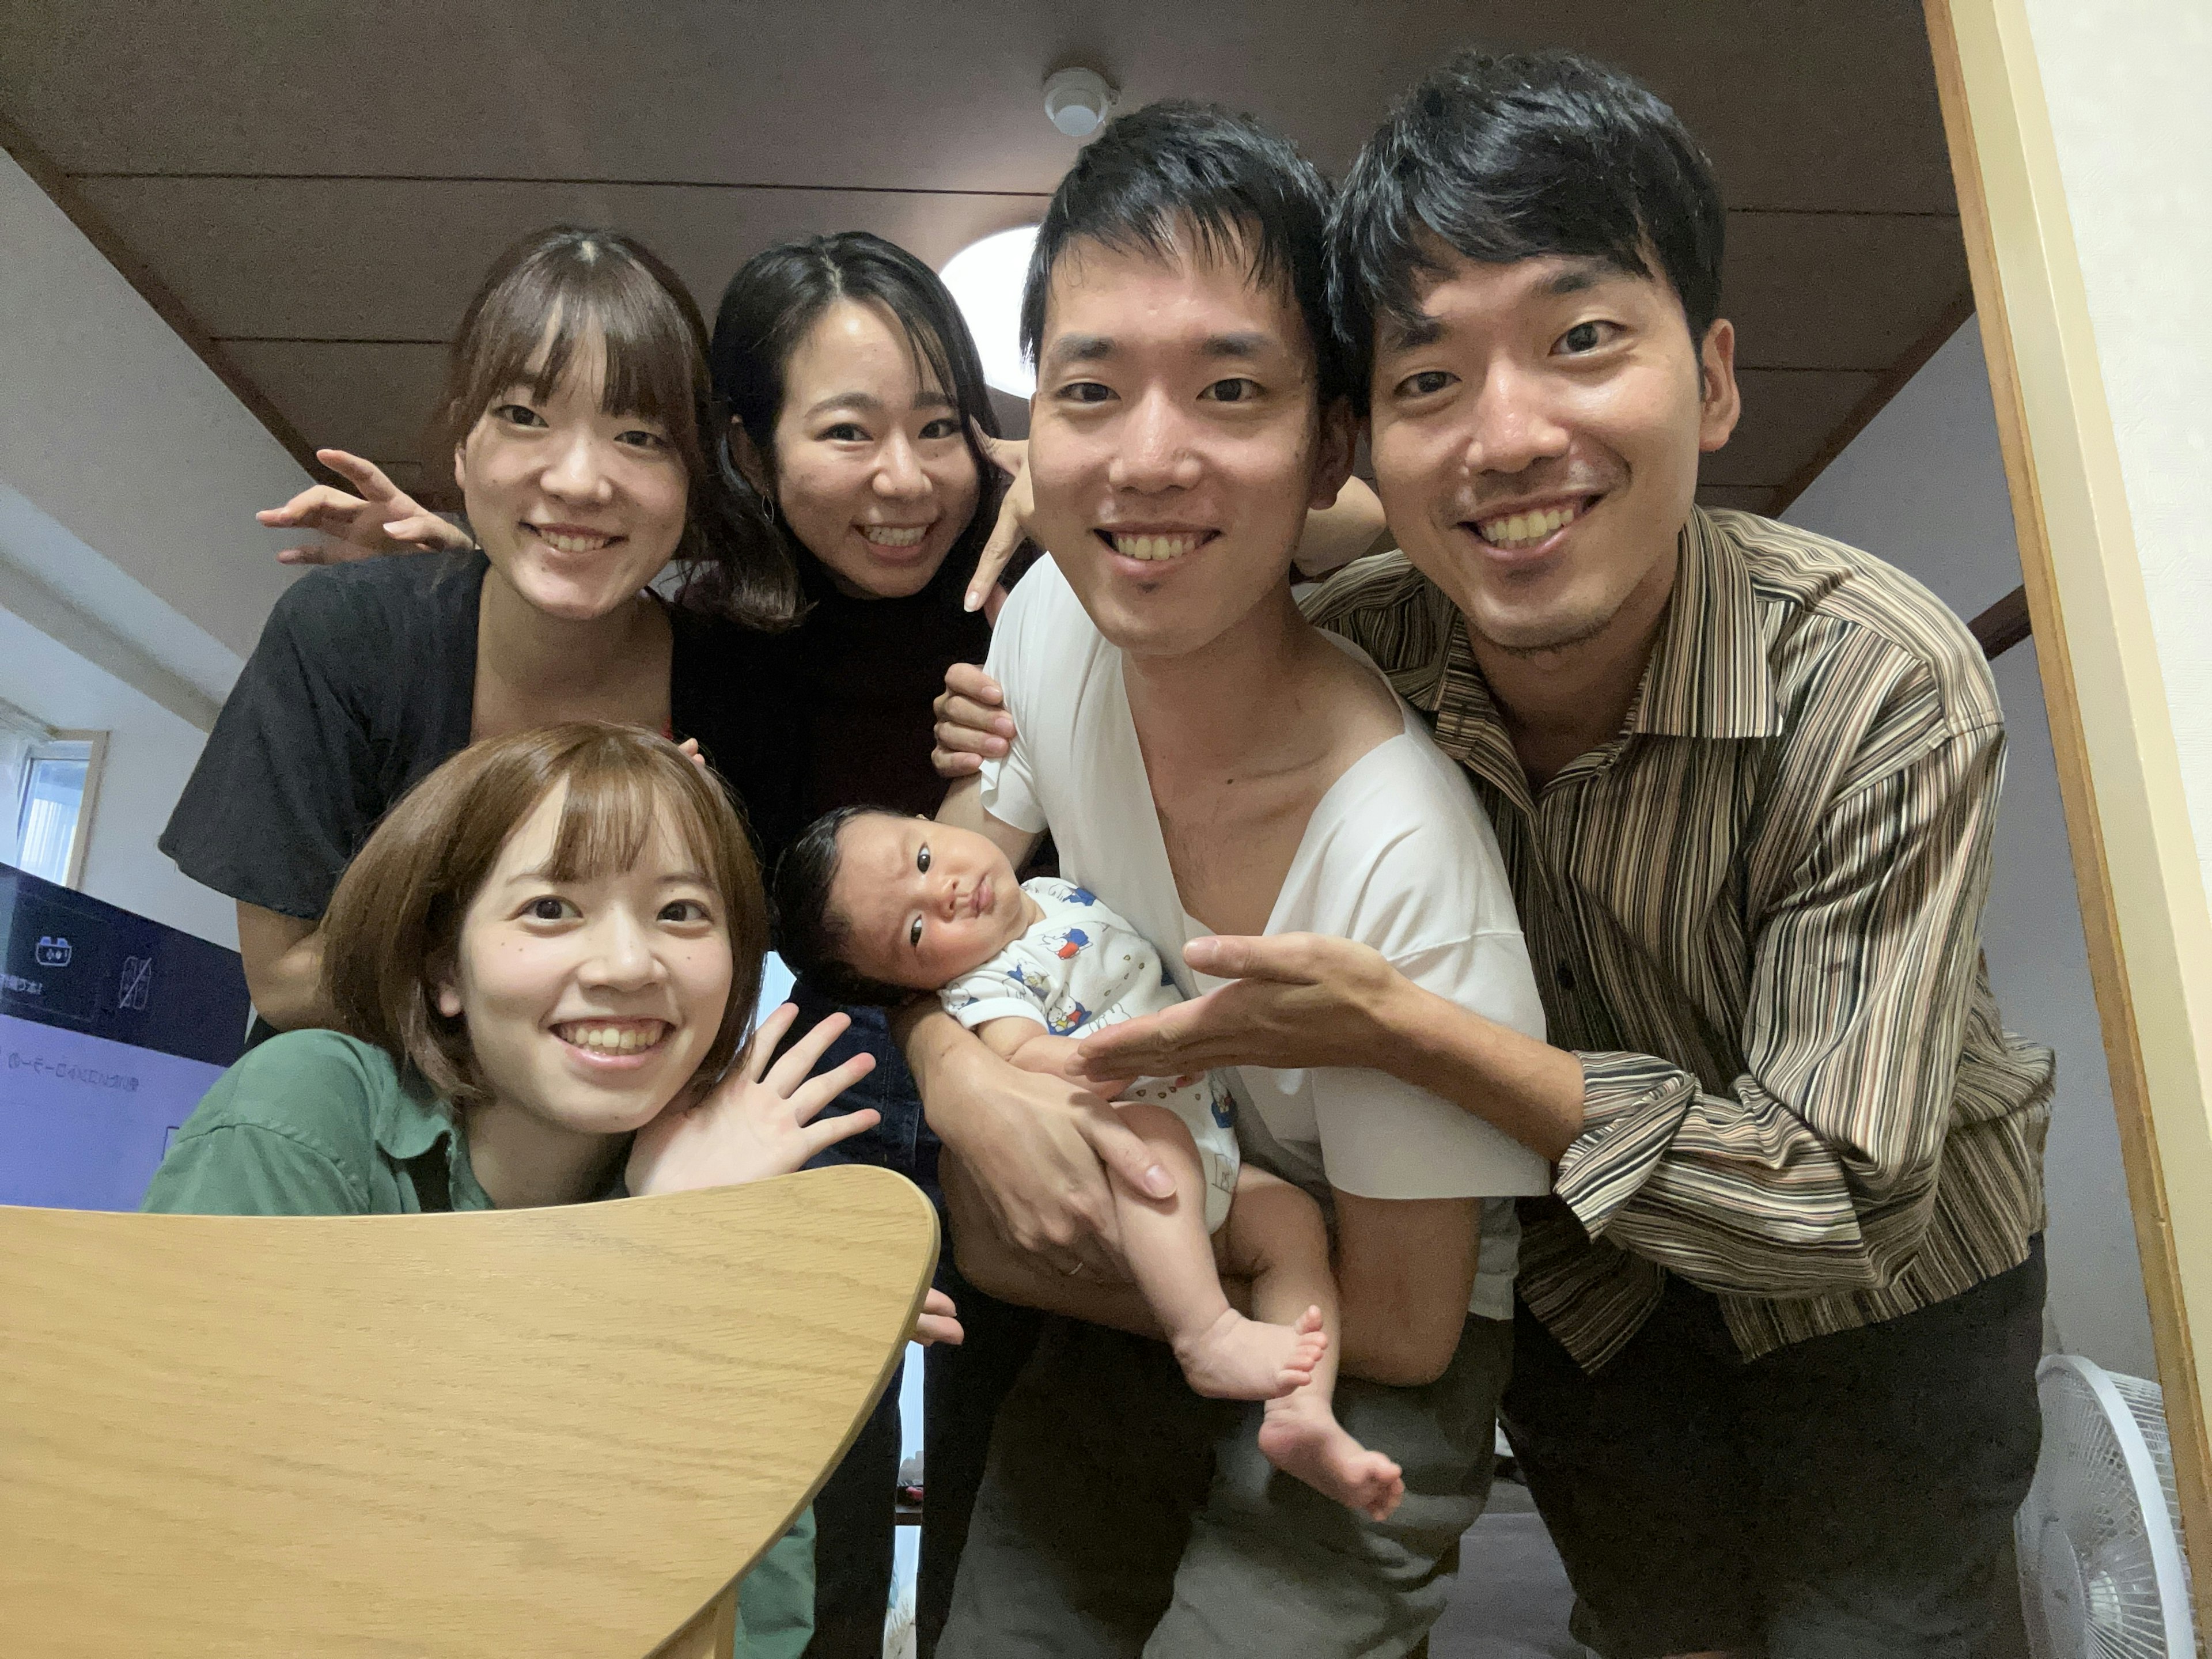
<point>1398,854</point>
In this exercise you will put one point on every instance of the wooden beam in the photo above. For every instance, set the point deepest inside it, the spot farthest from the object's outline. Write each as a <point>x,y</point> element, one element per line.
<point>2144,913</point>
<point>62,191</point>
<point>2003,625</point>
<point>1893,381</point>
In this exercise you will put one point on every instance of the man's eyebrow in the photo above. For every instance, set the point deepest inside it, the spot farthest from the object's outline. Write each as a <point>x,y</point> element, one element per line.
<point>1411,333</point>
<point>1081,348</point>
<point>1250,343</point>
<point>1580,275</point>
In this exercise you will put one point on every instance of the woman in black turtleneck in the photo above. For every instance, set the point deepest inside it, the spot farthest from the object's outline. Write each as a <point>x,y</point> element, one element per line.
<point>858,415</point>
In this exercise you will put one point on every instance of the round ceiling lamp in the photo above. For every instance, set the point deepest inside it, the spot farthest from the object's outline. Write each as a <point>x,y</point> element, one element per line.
<point>1077,100</point>
<point>986,279</point>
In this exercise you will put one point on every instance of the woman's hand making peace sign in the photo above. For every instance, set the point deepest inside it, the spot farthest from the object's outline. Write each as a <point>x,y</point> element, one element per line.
<point>382,519</point>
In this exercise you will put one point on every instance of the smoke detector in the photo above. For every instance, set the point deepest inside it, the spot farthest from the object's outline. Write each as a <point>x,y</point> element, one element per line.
<point>1077,100</point>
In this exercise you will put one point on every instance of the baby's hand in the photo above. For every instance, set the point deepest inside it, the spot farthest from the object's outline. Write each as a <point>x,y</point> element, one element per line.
<point>1061,1057</point>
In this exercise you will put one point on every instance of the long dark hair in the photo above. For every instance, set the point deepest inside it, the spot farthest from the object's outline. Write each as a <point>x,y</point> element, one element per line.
<point>770,306</point>
<point>551,293</point>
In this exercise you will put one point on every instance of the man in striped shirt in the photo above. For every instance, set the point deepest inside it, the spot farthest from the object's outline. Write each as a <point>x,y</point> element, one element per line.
<point>1778,1319</point>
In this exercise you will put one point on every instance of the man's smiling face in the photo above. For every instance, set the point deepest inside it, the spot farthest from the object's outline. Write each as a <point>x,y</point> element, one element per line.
<point>1536,440</point>
<point>1176,442</point>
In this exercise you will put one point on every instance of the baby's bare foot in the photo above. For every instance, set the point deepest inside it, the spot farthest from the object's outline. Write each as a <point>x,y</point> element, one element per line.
<point>1300,1435</point>
<point>1240,1358</point>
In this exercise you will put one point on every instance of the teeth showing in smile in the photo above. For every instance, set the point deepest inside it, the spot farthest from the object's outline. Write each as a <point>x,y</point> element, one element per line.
<point>1154,550</point>
<point>1523,530</point>
<point>612,1039</point>
<point>895,535</point>
<point>574,544</point>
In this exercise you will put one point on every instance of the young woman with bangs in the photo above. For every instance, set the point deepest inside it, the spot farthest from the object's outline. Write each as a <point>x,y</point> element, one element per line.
<point>578,412</point>
<point>862,466</point>
<point>853,447</point>
<point>538,972</point>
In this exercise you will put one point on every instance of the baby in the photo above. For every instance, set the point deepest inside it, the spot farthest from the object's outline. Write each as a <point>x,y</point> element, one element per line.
<point>874,906</point>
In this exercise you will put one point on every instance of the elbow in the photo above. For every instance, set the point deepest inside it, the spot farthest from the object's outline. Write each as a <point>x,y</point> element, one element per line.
<point>282,1001</point>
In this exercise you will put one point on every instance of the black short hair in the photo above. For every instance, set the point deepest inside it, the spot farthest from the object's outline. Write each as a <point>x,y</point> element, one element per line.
<point>1504,158</point>
<point>810,936</point>
<point>1239,189</point>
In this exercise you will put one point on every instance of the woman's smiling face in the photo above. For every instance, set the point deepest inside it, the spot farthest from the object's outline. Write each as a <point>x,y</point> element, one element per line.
<point>577,509</point>
<point>589,1004</point>
<point>872,471</point>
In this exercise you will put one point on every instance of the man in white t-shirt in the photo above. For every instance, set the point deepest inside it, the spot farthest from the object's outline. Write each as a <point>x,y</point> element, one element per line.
<point>1208,762</point>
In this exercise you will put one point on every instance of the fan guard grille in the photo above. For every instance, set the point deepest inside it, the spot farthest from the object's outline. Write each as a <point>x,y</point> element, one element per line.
<point>2101,1573</point>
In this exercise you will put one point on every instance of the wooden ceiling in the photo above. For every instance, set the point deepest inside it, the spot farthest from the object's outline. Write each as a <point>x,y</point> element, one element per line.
<point>311,189</point>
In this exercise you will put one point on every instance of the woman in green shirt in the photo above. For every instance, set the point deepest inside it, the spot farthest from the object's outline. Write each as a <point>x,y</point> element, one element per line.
<point>540,966</point>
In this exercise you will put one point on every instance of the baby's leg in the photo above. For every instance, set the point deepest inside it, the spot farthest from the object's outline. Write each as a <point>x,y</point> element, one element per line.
<point>1223,1355</point>
<point>1276,1236</point>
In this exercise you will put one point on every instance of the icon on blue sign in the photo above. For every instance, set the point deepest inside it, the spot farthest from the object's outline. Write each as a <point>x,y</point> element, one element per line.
<point>137,982</point>
<point>54,951</point>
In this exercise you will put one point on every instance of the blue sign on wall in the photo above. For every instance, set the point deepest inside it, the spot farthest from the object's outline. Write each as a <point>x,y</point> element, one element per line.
<point>111,1027</point>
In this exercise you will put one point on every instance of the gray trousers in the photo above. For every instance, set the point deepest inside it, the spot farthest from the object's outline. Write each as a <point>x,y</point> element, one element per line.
<point>1121,1514</point>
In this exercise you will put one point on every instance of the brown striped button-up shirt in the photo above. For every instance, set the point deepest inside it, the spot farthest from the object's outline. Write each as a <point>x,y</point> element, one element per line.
<point>1754,916</point>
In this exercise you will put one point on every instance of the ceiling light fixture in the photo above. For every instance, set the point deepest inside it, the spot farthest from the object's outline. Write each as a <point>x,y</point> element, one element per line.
<point>1077,100</point>
<point>986,278</point>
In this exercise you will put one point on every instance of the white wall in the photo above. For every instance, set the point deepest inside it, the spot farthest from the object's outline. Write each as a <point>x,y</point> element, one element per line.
<point>2128,84</point>
<point>114,428</point>
<point>132,576</point>
<point>150,752</point>
<point>1924,487</point>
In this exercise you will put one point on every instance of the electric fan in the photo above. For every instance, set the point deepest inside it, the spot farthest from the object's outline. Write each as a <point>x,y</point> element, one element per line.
<point>2101,1572</point>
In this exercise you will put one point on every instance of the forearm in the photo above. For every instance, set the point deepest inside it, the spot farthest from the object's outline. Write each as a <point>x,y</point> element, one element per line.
<point>962,808</point>
<point>937,1047</point>
<point>1814,1170</point>
<point>1739,1192</point>
<point>1526,1088</point>
<point>1405,1273</point>
<point>1038,1147</point>
<point>283,962</point>
<point>988,1261</point>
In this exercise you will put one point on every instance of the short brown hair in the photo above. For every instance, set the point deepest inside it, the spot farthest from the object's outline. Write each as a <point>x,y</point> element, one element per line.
<point>554,292</point>
<point>393,925</point>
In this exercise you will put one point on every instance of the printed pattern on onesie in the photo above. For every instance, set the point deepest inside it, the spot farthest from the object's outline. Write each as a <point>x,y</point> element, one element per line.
<point>1080,968</point>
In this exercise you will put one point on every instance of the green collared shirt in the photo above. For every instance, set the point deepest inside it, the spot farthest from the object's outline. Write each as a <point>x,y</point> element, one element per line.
<point>315,1123</point>
<point>1754,916</point>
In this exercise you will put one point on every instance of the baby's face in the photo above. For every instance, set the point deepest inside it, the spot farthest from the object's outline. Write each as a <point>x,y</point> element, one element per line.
<point>923,903</point>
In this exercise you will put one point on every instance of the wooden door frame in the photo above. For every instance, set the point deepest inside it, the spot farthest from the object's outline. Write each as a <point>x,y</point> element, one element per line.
<point>2144,903</point>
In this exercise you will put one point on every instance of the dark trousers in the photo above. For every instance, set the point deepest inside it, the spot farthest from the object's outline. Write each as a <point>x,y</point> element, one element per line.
<point>853,1513</point>
<point>1843,1498</point>
<point>1124,1516</point>
<point>962,1386</point>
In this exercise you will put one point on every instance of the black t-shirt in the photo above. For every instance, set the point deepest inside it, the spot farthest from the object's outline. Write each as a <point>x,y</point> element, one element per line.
<point>848,720</point>
<point>364,680</point>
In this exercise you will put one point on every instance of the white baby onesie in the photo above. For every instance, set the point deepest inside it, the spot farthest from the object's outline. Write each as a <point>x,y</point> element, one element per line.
<point>1082,968</point>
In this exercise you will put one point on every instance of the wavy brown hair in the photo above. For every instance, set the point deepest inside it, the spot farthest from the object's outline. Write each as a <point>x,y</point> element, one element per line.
<point>394,926</point>
<point>555,293</point>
